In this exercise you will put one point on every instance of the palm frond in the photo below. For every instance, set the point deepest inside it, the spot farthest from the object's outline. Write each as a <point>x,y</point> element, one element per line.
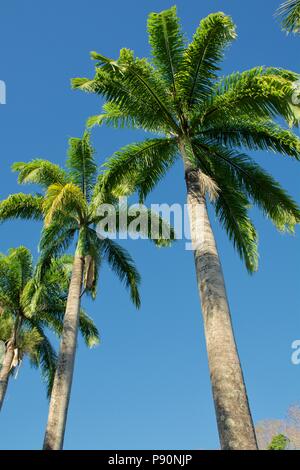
<point>139,166</point>
<point>202,57</point>
<point>81,163</point>
<point>123,266</point>
<point>22,206</point>
<point>254,135</point>
<point>135,87</point>
<point>114,116</point>
<point>41,172</point>
<point>68,199</point>
<point>232,206</point>
<point>239,170</point>
<point>20,260</point>
<point>55,239</point>
<point>88,330</point>
<point>259,93</point>
<point>289,12</point>
<point>167,44</point>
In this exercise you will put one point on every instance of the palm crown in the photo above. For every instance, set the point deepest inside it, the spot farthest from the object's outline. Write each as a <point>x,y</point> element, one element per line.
<point>209,120</point>
<point>69,206</point>
<point>29,308</point>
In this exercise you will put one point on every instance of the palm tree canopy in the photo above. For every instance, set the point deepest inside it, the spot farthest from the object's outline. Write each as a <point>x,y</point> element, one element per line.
<point>179,96</point>
<point>289,12</point>
<point>32,308</point>
<point>69,207</point>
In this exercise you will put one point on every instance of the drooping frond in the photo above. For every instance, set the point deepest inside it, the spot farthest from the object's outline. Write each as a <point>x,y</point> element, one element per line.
<point>232,206</point>
<point>289,12</point>
<point>21,206</point>
<point>167,44</point>
<point>88,329</point>
<point>123,266</point>
<point>202,57</point>
<point>55,239</point>
<point>232,211</point>
<point>41,172</point>
<point>44,357</point>
<point>81,163</point>
<point>239,170</point>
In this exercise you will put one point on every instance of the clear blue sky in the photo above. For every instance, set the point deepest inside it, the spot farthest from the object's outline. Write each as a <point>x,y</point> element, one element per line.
<point>147,385</point>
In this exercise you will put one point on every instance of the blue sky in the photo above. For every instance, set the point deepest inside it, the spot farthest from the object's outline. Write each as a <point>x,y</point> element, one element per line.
<point>147,385</point>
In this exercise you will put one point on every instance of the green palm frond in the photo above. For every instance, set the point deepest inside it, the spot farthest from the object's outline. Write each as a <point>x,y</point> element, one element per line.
<point>55,239</point>
<point>259,93</point>
<point>232,211</point>
<point>88,330</point>
<point>254,135</point>
<point>44,357</point>
<point>289,12</point>
<point>22,206</point>
<point>231,206</point>
<point>81,163</point>
<point>167,44</point>
<point>242,172</point>
<point>41,172</point>
<point>134,85</point>
<point>112,116</point>
<point>202,57</point>
<point>123,266</point>
<point>20,260</point>
<point>68,199</point>
<point>139,166</point>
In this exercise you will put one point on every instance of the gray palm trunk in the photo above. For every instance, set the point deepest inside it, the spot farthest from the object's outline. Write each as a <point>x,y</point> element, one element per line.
<point>5,370</point>
<point>235,425</point>
<point>60,396</point>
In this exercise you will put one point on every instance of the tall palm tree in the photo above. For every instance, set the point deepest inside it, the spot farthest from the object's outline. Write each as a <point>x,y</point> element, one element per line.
<point>289,12</point>
<point>69,208</point>
<point>28,308</point>
<point>205,120</point>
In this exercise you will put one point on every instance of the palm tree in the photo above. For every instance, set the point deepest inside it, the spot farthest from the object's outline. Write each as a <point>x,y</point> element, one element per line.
<point>28,308</point>
<point>289,11</point>
<point>69,207</point>
<point>205,120</point>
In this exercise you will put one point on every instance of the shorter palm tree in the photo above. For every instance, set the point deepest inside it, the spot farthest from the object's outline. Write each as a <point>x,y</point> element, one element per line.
<point>289,12</point>
<point>27,309</point>
<point>70,209</point>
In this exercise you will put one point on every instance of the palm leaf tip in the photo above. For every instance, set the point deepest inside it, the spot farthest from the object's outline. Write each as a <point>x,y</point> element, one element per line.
<point>289,13</point>
<point>167,43</point>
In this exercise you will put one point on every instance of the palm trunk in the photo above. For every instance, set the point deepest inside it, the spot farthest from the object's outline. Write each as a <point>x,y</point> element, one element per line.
<point>235,425</point>
<point>5,370</point>
<point>60,396</point>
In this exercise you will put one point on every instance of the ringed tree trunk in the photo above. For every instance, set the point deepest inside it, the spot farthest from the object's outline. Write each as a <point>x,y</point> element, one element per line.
<point>235,425</point>
<point>60,395</point>
<point>5,370</point>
